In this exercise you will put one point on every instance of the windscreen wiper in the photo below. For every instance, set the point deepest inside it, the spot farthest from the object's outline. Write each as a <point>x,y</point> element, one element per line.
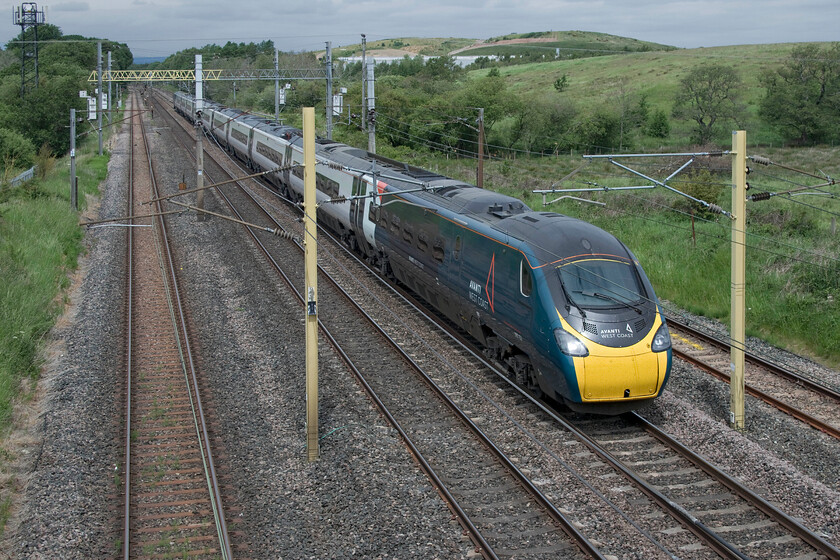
<point>570,301</point>
<point>612,298</point>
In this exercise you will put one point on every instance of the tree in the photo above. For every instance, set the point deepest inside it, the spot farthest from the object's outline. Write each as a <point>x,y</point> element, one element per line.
<point>540,124</point>
<point>633,112</point>
<point>708,96</point>
<point>658,125</point>
<point>802,99</point>
<point>596,131</point>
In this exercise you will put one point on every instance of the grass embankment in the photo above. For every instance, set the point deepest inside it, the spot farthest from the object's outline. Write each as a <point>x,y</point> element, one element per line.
<point>40,242</point>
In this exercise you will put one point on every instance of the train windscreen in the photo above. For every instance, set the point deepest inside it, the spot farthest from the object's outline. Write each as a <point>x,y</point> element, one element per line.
<point>600,282</point>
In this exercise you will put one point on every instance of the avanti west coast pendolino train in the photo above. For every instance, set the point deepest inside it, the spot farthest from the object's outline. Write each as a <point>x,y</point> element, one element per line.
<point>565,304</point>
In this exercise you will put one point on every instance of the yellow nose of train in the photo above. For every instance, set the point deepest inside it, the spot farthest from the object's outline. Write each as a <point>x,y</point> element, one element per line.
<point>625,373</point>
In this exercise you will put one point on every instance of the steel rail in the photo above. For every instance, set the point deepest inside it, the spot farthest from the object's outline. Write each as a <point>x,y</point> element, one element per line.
<point>722,546</point>
<point>750,390</point>
<point>464,519</point>
<point>129,349</point>
<point>705,533</point>
<point>775,368</point>
<point>582,542</point>
<point>802,532</point>
<point>218,510</point>
<point>701,531</point>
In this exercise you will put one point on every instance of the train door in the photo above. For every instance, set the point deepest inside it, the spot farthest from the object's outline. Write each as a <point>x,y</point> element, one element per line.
<point>250,147</point>
<point>288,161</point>
<point>357,206</point>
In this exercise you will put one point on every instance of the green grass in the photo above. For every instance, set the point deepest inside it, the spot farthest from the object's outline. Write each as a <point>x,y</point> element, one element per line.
<point>40,242</point>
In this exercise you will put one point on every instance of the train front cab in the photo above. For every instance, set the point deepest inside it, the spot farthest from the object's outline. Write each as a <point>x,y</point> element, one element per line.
<point>616,363</point>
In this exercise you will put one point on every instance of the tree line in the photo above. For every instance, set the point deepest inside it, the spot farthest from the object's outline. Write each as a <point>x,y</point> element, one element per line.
<point>37,122</point>
<point>433,102</point>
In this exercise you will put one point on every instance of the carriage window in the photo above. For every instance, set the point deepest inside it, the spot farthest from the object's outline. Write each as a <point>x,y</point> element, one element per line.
<point>326,185</point>
<point>395,223</point>
<point>438,249</point>
<point>422,241</point>
<point>408,234</point>
<point>375,214</point>
<point>525,278</point>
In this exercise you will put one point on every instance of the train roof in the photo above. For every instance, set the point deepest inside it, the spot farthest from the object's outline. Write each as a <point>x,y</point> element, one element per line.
<point>452,194</point>
<point>553,237</point>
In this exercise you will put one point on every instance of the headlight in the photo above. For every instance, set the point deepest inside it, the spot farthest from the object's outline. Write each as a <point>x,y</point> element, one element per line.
<point>569,344</point>
<point>661,340</point>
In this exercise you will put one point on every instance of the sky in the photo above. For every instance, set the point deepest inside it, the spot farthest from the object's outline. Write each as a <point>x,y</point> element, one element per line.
<point>157,28</point>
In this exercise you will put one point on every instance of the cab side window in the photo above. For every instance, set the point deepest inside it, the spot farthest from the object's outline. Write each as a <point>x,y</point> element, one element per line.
<point>525,286</point>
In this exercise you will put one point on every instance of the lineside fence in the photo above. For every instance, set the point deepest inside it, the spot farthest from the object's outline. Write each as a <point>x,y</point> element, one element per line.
<point>23,177</point>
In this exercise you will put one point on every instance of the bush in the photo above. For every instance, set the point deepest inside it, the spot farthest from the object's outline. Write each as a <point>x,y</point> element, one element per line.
<point>16,151</point>
<point>792,222</point>
<point>699,184</point>
<point>44,161</point>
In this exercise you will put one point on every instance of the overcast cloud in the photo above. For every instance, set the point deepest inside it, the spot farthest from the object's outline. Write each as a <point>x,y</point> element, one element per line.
<point>161,27</point>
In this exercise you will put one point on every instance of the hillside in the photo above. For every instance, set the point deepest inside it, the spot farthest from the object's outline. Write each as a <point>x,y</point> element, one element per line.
<point>597,81</point>
<point>571,44</point>
<point>566,44</point>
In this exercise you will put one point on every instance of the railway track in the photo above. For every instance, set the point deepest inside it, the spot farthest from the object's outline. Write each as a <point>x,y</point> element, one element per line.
<point>723,515</point>
<point>498,506</point>
<point>563,464</point>
<point>172,502</point>
<point>797,395</point>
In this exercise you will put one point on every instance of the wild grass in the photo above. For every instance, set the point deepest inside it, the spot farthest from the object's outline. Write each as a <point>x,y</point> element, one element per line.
<point>40,243</point>
<point>599,81</point>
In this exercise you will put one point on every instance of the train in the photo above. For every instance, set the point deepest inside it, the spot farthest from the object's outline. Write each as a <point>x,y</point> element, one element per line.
<point>563,304</point>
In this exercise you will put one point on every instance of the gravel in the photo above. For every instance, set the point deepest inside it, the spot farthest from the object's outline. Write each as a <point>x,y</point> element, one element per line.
<point>795,467</point>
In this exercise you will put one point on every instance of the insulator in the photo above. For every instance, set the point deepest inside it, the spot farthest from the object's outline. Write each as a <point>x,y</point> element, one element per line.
<point>761,160</point>
<point>715,209</point>
<point>760,196</point>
